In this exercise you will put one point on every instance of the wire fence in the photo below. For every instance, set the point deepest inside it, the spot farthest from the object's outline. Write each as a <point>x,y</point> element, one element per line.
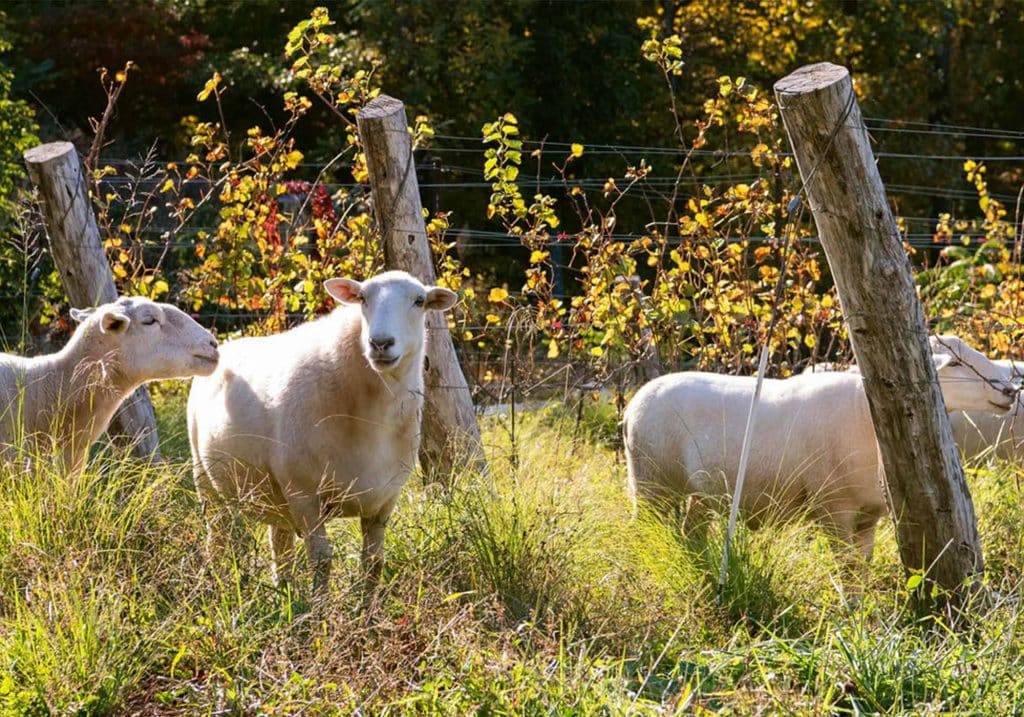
<point>453,176</point>
<point>454,163</point>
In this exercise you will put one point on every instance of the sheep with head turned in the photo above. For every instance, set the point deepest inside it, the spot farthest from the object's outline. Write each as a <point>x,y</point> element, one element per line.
<point>979,432</point>
<point>66,399</point>
<point>813,451</point>
<point>1001,436</point>
<point>319,421</point>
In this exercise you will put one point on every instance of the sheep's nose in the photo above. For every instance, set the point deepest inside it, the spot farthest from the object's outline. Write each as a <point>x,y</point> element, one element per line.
<point>381,344</point>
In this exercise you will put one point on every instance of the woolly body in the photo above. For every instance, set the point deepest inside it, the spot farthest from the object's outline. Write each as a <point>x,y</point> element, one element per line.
<point>320,421</point>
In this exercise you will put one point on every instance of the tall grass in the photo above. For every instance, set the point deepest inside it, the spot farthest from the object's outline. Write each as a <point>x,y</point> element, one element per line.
<point>529,591</point>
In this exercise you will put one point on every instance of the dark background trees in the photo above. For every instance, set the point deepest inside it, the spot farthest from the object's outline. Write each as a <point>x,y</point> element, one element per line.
<point>569,70</point>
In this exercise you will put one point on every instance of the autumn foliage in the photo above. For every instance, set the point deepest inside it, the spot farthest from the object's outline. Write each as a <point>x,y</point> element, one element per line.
<point>607,291</point>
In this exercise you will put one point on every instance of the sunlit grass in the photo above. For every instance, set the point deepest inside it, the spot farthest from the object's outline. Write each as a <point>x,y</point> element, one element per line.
<point>532,590</point>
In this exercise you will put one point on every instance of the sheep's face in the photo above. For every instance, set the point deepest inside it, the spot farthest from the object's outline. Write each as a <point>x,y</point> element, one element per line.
<point>151,340</point>
<point>971,381</point>
<point>393,305</point>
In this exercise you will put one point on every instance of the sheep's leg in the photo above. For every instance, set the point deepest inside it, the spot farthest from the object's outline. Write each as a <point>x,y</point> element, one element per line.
<point>282,554</point>
<point>852,536</point>
<point>73,460</point>
<point>863,540</point>
<point>305,512</point>
<point>697,516</point>
<point>215,515</point>
<point>864,536</point>
<point>657,498</point>
<point>373,552</point>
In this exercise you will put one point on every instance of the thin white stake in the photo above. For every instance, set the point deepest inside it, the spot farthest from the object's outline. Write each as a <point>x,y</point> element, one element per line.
<point>794,209</point>
<point>741,474</point>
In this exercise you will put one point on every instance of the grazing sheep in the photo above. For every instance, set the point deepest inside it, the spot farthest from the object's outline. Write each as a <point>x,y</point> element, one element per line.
<point>977,432</point>
<point>813,451</point>
<point>317,422</point>
<point>67,399</point>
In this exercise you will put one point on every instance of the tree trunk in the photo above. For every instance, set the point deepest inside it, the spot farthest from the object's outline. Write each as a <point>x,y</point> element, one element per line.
<point>450,435</point>
<point>77,250</point>
<point>935,522</point>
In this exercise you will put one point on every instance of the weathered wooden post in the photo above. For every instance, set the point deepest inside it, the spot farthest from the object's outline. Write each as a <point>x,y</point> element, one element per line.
<point>77,250</point>
<point>935,523</point>
<point>451,437</point>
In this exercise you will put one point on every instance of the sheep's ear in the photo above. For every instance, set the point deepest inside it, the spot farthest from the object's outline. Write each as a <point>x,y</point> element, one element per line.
<point>114,322</point>
<point>81,315</point>
<point>347,291</point>
<point>440,299</point>
<point>941,361</point>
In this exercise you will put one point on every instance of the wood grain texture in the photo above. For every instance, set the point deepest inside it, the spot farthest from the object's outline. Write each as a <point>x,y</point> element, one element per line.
<point>450,435</point>
<point>935,520</point>
<point>57,174</point>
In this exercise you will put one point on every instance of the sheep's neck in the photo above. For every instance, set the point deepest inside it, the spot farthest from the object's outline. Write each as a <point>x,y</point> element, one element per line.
<point>92,387</point>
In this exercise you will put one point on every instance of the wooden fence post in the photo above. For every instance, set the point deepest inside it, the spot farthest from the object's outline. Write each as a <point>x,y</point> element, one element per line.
<point>77,250</point>
<point>450,435</point>
<point>935,523</point>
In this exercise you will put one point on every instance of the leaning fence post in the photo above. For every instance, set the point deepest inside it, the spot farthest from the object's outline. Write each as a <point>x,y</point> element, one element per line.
<point>78,253</point>
<point>450,435</point>
<point>935,523</point>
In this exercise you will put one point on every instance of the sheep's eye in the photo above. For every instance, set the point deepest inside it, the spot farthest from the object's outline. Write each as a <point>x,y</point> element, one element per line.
<point>420,301</point>
<point>149,321</point>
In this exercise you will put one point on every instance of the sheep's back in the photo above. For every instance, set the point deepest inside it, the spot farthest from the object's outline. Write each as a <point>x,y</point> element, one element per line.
<point>806,429</point>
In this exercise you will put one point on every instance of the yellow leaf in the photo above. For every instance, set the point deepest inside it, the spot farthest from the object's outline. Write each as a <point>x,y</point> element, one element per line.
<point>497,295</point>
<point>577,150</point>
<point>293,159</point>
<point>211,85</point>
<point>597,351</point>
<point>552,349</point>
<point>537,256</point>
<point>167,186</point>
